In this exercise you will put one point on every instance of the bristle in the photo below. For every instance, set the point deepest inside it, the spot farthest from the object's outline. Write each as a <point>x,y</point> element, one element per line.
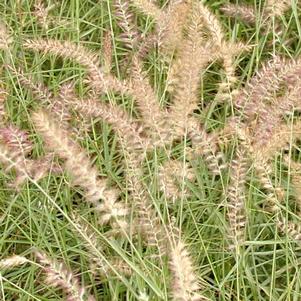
<point>59,107</point>
<point>153,117</point>
<point>186,82</point>
<point>244,12</point>
<point>16,148</point>
<point>226,52</point>
<point>171,176</point>
<point>3,113</point>
<point>5,37</point>
<point>89,238</point>
<point>79,166</point>
<point>18,145</point>
<point>263,87</point>
<point>210,22</point>
<point>262,167</point>
<point>205,145</point>
<point>184,283</point>
<point>129,131</point>
<point>149,223</point>
<point>260,87</point>
<point>16,140</point>
<point>107,51</point>
<point>204,42</point>
<point>276,8</point>
<point>237,198</point>
<point>130,35</point>
<point>77,163</point>
<point>13,261</point>
<point>67,50</point>
<point>41,13</point>
<point>278,138</point>
<point>192,59</point>
<point>116,268</point>
<point>146,45</point>
<point>37,89</point>
<point>113,211</point>
<point>147,7</point>
<point>292,229</point>
<point>172,24</point>
<point>263,171</point>
<point>110,266</point>
<point>58,275</point>
<point>12,160</point>
<point>41,167</point>
<point>72,51</point>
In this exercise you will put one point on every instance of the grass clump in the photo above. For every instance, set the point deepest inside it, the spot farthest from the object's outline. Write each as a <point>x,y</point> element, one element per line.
<point>150,151</point>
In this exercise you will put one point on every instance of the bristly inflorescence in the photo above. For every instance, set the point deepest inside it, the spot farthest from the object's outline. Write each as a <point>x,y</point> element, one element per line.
<point>269,19</point>
<point>237,198</point>
<point>185,284</point>
<point>12,262</point>
<point>171,175</point>
<point>83,173</point>
<point>59,276</point>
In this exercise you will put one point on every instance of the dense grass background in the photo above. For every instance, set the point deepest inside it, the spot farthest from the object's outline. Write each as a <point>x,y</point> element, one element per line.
<point>39,215</point>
